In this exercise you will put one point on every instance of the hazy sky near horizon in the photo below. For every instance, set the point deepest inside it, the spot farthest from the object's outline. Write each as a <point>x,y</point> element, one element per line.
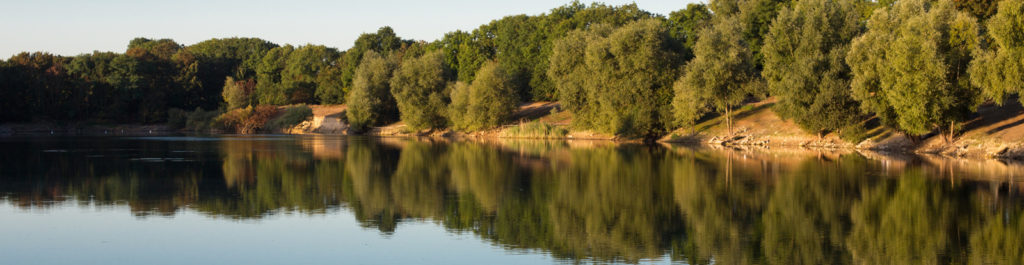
<point>71,27</point>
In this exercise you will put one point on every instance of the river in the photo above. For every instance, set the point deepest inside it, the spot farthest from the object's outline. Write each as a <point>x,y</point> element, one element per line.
<point>358,200</point>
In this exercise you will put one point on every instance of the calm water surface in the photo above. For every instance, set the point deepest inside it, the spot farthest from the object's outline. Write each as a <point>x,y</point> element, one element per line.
<point>337,200</point>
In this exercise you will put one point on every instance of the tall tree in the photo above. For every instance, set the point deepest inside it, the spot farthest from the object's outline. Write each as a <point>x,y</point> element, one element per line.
<point>239,94</point>
<point>38,84</point>
<point>488,102</point>
<point>204,65</point>
<point>382,42</point>
<point>685,24</point>
<point>755,18</point>
<point>805,63</point>
<point>720,75</point>
<point>626,77</point>
<point>269,88</point>
<point>157,89</point>
<point>330,88</point>
<point>301,76</point>
<point>523,44</point>
<point>418,87</point>
<point>571,75</point>
<point>910,67</point>
<point>370,102</point>
<point>999,70</point>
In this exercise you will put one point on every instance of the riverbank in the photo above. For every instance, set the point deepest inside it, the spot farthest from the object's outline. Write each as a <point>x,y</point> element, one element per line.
<point>994,132</point>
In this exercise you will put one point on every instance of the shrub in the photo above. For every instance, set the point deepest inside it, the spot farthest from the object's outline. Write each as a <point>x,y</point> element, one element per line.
<point>201,121</point>
<point>196,120</point>
<point>176,118</point>
<point>853,133</point>
<point>246,121</point>
<point>292,116</point>
<point>238,94</point>
<point>458,110</point>
<point>535,129</point>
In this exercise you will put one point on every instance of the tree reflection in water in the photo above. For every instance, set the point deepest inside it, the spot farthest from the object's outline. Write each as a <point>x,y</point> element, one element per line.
<point>578,201</point>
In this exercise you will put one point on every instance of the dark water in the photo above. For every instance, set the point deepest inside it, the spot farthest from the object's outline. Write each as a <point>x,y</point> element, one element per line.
<point>325,200</point>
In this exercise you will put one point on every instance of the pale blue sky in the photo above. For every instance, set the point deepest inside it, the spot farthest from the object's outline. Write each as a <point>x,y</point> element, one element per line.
<point>70,27</point>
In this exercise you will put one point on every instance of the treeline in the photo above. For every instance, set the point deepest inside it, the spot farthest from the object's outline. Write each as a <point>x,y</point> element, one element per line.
<point>917,65</point>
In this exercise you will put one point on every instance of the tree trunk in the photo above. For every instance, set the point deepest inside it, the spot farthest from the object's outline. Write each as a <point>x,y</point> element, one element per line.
<point>952,131</point>
<point>916,139</point>
<point>728,119</point>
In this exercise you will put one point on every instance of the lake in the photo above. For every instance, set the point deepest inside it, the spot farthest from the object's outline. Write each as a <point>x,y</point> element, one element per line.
<point>357,200</point>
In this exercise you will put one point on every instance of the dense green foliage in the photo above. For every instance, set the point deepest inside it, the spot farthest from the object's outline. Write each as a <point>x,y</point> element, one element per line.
<point>238,94</point>
<point>910,67</point>
<point>370,102</point>
<point>999,70</point>
<point>917,65</point>
<point>488,102</point>
<point>382,42</point>
<point>685,24</point>
<point>523,44</point>
<point>618,81</point>
<point>754,17</point>
<point>981,9</point>
<point>805,63</point>
<point>289,75</point>
<point>721,75</point>
<point>418,87</point>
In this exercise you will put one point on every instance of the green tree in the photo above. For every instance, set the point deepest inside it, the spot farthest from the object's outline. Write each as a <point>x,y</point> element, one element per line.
<point>382,42</point>
<point>40,86</point>
<point>685,24</point>
<point>910,67</point>
<point>755,18</point>
<point>269,88</point>
<point>523,44</point>
<point>203,66</point>
<point>623,84</point>
<point>329,86</point>
<point>238,94</point>
<point>720,76</point>
<point>464,54</point>
<point>488,102</point>
<point>418,87</point>
<point>157,87</point>
<point>999,70</point>
<point>805,63</point>
<point>370,102</point>
<point>161,48</point>
<point>570,73</point>
<point>980,9</point>
<point>300,78</point>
